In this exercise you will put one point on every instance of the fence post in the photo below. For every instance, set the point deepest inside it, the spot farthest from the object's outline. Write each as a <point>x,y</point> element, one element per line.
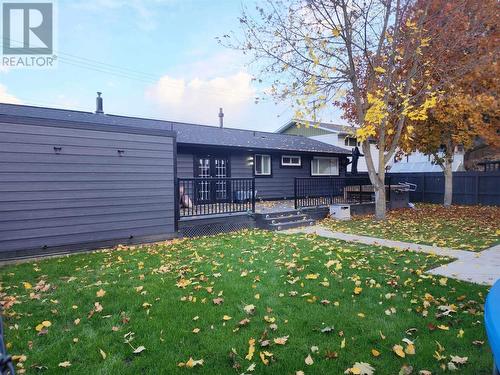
<point>177,213</point>
<point>423,188</point>
<point>476,190</point>
<point>253,194</point>
<point>295,192</point>
<point>389,192</point>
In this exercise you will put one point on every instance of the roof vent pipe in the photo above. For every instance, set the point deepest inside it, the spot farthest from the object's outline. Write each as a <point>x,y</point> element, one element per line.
<point>221,118</point>
<point>98,104</point>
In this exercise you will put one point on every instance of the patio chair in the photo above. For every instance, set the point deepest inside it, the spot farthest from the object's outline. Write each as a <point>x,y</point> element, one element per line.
<point>492,323</point>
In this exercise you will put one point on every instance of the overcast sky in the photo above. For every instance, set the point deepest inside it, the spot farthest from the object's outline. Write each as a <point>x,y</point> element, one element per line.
<point>150,58</point>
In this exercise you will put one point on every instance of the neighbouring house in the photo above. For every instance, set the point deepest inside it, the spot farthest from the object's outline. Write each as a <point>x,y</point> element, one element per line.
<point>342,136</point>
<point>419,162</point>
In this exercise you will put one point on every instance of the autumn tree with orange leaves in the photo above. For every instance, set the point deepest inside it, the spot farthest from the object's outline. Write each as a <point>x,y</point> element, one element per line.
<point>463,64</point>
<point>314,52</point>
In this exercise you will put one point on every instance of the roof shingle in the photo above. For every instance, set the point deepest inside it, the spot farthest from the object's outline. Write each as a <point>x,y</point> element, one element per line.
<point>192,134</point>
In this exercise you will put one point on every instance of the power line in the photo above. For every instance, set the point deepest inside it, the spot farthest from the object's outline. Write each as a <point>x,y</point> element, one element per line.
<point>98,66</point>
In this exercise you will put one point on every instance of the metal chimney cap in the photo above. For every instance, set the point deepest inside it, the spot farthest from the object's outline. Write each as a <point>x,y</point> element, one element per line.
<point>99,104</point>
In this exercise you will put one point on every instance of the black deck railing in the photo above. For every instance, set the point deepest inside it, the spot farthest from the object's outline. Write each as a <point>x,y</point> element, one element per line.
<point>324,191</point>
<point>213,196</point>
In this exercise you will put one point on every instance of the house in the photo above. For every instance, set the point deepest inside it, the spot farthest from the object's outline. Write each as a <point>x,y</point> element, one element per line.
<point>342,136</point>
<point>419,162</point>
<point>84,179</point>
<point>205,151</point>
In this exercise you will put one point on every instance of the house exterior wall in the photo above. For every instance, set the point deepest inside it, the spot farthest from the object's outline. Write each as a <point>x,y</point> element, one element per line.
<point>75,186</point>
<point>337,139</point>
<point>308,131</point>
<point>418,162</point>
<point>280,185</point>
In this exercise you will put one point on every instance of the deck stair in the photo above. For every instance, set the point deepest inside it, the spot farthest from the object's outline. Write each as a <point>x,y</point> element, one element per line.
<point>283,220</point>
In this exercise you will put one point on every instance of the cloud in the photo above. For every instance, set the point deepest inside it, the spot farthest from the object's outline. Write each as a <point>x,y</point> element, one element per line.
<point>5,97</point>
<point>198,99</point>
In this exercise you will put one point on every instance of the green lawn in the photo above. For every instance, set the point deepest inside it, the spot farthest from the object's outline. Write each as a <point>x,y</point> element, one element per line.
<point>458,227</point>
<point>333,301</point>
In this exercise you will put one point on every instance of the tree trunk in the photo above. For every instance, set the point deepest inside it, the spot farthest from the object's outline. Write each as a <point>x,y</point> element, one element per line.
<point>380,207</point>
<point>448,182</point>
<point>377,178</point>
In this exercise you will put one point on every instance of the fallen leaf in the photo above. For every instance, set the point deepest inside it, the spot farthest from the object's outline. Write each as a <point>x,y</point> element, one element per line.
<point>251,349</point>
<point>360,368</point>
<point>141,348</point>
<point>281,340</point>
<point>398,349</point>
<point>65,364</point>
<point>100,293</point>
<point>103,353</point>
<point>218,301</point>
<point>309,361</point>
<point>375,353</point>
<point>249,309</point>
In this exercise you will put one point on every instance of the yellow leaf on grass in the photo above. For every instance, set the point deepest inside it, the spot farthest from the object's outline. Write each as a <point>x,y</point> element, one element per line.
<point>443,327</point>
<point>100,293</point>
<point>182,283</point>
<point>357,290</point>
<point>27,285</point>
<point>398,349</point>
<point>103,353</point>
<point>375,353</point>
<point>312,276</point>
<point>410,349</point>
<point>251,349</point>
<point>191,363</point>
<point>65,364</point>
<point>226,317</point>
<point>342,344</point>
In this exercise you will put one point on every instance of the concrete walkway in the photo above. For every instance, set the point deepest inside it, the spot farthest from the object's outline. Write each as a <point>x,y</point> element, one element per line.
<point>477,267</point>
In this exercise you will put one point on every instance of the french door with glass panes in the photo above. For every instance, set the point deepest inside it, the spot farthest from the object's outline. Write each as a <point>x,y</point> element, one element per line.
<point>212,170</point>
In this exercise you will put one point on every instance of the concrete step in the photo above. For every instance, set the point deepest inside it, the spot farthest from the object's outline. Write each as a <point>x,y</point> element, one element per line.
<point>290,224</point>
<point>282,219</point>
<point>270,215</point>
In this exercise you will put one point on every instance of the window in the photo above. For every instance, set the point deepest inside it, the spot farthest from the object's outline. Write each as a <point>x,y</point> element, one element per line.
<point>291,161</point>
<point>350,141</point>
<point>262,165</point>
<point>324,166</point>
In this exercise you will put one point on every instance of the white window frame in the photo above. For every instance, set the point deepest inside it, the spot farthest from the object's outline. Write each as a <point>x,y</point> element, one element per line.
<point>263,157</point>
<point>324,158</point>
<point>299,164</point>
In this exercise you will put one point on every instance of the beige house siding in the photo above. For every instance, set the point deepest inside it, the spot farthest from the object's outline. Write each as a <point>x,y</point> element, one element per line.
<point>305,131</point>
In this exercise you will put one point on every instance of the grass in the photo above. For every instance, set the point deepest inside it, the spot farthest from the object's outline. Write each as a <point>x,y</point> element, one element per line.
<point>458,227</point>
<point>299,286</point>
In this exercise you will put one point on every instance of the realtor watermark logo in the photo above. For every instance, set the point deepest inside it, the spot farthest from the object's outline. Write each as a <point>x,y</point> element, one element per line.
<point>28,34</point>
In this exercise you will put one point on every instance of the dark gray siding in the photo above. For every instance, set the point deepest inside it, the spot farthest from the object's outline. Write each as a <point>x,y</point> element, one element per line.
<point>278,186</point>
<point>185,165</point>
<point>87,193</point>
<point>281,184</point>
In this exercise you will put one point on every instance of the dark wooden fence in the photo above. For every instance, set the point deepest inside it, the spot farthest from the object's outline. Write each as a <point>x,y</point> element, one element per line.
<point>468,187</point>
<point>323,191</point>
